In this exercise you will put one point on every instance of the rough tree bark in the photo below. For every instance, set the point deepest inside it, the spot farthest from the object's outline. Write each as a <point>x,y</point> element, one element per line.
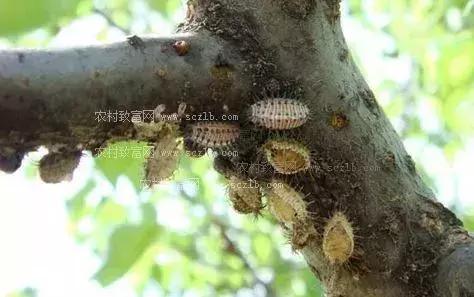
<point>407,243</point>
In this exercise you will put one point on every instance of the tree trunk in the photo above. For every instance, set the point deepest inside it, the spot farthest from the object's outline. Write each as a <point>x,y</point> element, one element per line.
<point>406,243</point>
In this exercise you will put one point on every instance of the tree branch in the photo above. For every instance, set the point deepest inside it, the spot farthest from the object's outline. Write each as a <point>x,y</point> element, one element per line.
<point>110,21</point>
<point>234,249</point>
<point>52,96</point>
<point>456,272</point>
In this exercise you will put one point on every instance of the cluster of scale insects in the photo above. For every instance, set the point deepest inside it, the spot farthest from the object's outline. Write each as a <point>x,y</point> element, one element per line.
<point>285,155</point>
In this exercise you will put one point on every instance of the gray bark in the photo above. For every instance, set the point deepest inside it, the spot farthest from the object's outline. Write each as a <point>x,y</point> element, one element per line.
<point>51,97</point>
<point>407,244</point>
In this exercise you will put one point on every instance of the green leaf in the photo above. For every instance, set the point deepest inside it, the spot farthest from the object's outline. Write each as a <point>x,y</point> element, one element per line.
<point>22,15</point>
<point>148,213</point>
<point>157,273</point>
<point>26,292</point>
<point>76,205</point>
<point>469,221</point>
<point>123,158</point>
<point>126,246</point>
<point>262,245</point>
<point>110,212</point>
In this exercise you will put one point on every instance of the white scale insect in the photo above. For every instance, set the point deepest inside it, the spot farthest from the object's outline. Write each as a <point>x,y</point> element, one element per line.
<point>279,113</point>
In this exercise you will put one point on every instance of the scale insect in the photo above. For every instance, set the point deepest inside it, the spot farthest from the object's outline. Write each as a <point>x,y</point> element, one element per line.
<point>245,196</point>
<point>212,135</point>
<point>163,159</point>
<point>289,208</point>
<point>287,156</point>
<point>10,162</point>
<point>279,113</point>
<point>285,203</point>
<point>338,239</point>
<point>56,167</point>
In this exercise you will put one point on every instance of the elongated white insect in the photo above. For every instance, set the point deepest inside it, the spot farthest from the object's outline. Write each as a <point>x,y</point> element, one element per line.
<point>213,135</point>
<point>279,113</point>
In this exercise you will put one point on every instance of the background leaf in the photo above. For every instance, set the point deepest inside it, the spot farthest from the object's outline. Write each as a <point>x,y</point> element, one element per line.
<point>22,15</point>
<point>127,243</point>
<point>118,159</point>
<point>165,7</point>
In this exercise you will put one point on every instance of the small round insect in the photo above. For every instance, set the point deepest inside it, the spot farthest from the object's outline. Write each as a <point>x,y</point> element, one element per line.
<point>181,47</point>
<point>9,163</point>
<point>136,42</point>
<point>339,120</point>
<point>279,113</point>
<point>212,135</point>
<point>338,239</point>
<point>56,167</point>
<point>245,196</point>
<point>287,156</point>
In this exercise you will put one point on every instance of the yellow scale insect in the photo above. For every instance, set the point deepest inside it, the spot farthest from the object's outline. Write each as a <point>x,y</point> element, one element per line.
<point>338,239</point>
<point>285,203</point>
<point>288,207</point>
<point>287,156</point>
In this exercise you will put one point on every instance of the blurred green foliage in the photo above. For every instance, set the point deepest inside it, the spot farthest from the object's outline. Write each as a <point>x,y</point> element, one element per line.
<point>438,39</point>
<point>183,236</point>
<point>26,292</point>
<point>186,238</point>
<point>426,77</point>
<point>22,15</point>
<point>128,165</point>
<point>167,8</point>
<point>126,245</point>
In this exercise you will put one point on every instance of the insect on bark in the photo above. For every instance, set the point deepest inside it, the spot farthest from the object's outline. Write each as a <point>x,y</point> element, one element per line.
<point>279,113</point>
